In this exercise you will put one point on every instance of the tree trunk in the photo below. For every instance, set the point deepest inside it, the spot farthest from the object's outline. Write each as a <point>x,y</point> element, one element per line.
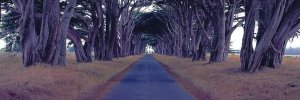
<point>287,29</point>
<point>64,29</point>
<point>27,31</point>
<point>217,52</point>
<point>99,42</point>
<point>50,35</point>
<point>79,51</point>
<point>52,39</point>
<point>247,47</point>
<point>89,44</point>
<point>264,43</point>
<point>111,29</point>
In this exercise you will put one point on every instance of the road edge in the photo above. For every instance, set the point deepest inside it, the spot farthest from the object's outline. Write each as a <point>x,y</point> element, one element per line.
<point>186,84</point>
<point>101,91</point>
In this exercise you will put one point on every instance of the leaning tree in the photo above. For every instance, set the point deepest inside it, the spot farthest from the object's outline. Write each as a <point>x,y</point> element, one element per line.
<point>278,21</point>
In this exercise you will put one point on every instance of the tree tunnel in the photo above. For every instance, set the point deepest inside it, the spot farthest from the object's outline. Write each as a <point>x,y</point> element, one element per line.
<point>107,29</point>
<point>195,28</point>
<point>151,29</point>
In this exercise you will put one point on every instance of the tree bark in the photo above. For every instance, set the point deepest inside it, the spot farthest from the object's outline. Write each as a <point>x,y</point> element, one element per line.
<point>247,46</point>
<point>50,35</point>
<point>27,31</point>
<point>218,49</point>
<point>261,48</point>
<point>64,24</point>
<point>79,50</point>
<point>52,39</point>
<point>287,29</point>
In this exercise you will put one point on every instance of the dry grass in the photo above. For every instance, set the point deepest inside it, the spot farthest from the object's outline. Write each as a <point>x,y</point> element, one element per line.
<point>225,81</point>
<point>43,82</point>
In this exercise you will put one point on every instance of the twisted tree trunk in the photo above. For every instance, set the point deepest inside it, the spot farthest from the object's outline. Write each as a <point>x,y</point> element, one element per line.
<point>27,31</point>
<point>218,47</point>
<point>50,38</point>
<point>99,42</point>
<point>247,47</point>
<point>288,28</point>
<point>79,51</point>
<point>279,21</point>
<point>256,58</point>
<point>51,42</point>
<point>54,30</point>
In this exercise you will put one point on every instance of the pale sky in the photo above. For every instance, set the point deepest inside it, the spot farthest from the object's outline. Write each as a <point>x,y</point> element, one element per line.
<point>2,44</point>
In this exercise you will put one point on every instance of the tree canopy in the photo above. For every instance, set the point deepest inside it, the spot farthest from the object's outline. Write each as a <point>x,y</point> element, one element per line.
<point>106,29</point>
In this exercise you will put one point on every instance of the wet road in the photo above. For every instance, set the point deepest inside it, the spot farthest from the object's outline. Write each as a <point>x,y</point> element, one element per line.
<point>148,80</point>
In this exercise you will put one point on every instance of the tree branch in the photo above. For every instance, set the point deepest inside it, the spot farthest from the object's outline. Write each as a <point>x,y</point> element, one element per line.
<point>274,49</point>
<point>236,26</point>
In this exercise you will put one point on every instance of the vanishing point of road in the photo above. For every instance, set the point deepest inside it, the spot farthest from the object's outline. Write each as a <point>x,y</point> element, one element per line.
<point>148,80</point>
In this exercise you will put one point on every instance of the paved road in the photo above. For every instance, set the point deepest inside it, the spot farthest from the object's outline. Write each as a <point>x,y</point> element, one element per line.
<point>148,80</point>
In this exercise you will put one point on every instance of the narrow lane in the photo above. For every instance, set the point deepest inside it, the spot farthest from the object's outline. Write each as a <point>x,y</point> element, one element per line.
<point>148,80</point>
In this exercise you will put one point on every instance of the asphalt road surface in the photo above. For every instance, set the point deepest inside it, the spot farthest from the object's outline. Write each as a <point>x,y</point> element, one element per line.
<point>148,80</point>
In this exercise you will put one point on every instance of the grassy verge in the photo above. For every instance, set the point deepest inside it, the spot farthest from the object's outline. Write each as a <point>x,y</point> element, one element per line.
<point>42,82</point>
<point>225,81</point>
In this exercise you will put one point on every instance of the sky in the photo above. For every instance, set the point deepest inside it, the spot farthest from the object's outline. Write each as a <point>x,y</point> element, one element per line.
<point>2,44</point>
